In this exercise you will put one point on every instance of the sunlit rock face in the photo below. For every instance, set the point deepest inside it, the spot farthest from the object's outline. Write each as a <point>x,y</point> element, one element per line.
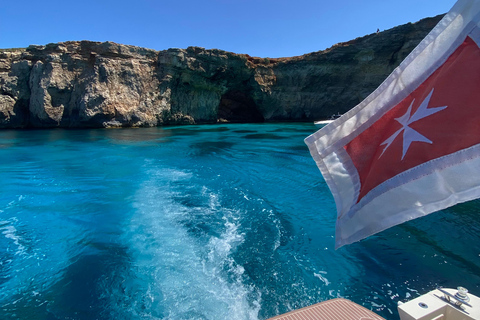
<point>92,84</point>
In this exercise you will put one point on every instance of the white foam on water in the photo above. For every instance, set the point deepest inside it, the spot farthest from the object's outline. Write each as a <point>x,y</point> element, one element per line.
<point>278,224</point>
<point>333,293</point>
<point>175,275</point>
<point>319,276</point>
<point>10,232</point>
<point>376,305</point>
<point>219,263</point>
<point>31,262</point>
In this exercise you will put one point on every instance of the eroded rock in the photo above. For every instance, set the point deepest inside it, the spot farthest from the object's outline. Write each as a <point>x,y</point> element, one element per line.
<point>92,84</point>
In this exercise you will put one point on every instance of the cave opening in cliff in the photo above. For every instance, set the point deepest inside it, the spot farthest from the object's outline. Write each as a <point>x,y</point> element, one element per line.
<point>238,106</point>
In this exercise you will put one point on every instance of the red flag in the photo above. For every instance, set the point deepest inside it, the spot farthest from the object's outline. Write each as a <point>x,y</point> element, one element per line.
<point>440,117</point>
<point>413,146</point>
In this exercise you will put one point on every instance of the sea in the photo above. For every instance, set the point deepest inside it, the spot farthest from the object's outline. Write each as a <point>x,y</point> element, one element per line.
<point>225,221</point>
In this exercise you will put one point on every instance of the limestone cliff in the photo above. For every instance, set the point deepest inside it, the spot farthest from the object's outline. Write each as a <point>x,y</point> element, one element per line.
<point>91,84</point>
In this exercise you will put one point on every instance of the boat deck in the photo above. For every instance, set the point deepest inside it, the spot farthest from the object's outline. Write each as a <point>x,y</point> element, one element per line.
<point>335,309</point>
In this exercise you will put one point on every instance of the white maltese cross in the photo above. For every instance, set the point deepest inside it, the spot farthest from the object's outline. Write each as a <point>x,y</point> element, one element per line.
<point>410,135</point>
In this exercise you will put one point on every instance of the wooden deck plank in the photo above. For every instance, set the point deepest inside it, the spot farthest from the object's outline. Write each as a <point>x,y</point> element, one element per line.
<point>335,309</point>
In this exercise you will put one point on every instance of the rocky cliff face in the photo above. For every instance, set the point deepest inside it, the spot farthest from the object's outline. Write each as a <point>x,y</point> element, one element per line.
<point>91,84</point>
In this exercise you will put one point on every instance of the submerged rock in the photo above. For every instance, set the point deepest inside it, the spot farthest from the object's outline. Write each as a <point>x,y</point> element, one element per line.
<point>92,84</point>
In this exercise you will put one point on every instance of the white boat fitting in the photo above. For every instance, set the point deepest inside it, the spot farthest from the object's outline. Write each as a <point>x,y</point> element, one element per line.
<point>442,304</point>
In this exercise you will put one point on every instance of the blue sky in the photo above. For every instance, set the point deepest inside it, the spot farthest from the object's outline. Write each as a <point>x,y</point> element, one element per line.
<point>264,28</point>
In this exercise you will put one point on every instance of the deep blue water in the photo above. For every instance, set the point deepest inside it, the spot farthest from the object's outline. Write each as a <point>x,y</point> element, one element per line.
<point>200,222</point>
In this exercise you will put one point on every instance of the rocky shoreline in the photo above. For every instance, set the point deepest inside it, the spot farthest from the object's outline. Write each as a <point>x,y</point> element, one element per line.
<point>90,84</point>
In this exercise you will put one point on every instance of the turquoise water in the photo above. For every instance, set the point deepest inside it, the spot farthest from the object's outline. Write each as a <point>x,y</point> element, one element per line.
<point>200,222</point>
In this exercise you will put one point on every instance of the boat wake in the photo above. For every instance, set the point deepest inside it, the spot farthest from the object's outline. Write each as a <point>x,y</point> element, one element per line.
<point>178,270</point>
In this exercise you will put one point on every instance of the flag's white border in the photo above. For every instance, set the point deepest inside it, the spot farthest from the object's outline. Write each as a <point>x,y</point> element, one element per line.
<point>357,221</point>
